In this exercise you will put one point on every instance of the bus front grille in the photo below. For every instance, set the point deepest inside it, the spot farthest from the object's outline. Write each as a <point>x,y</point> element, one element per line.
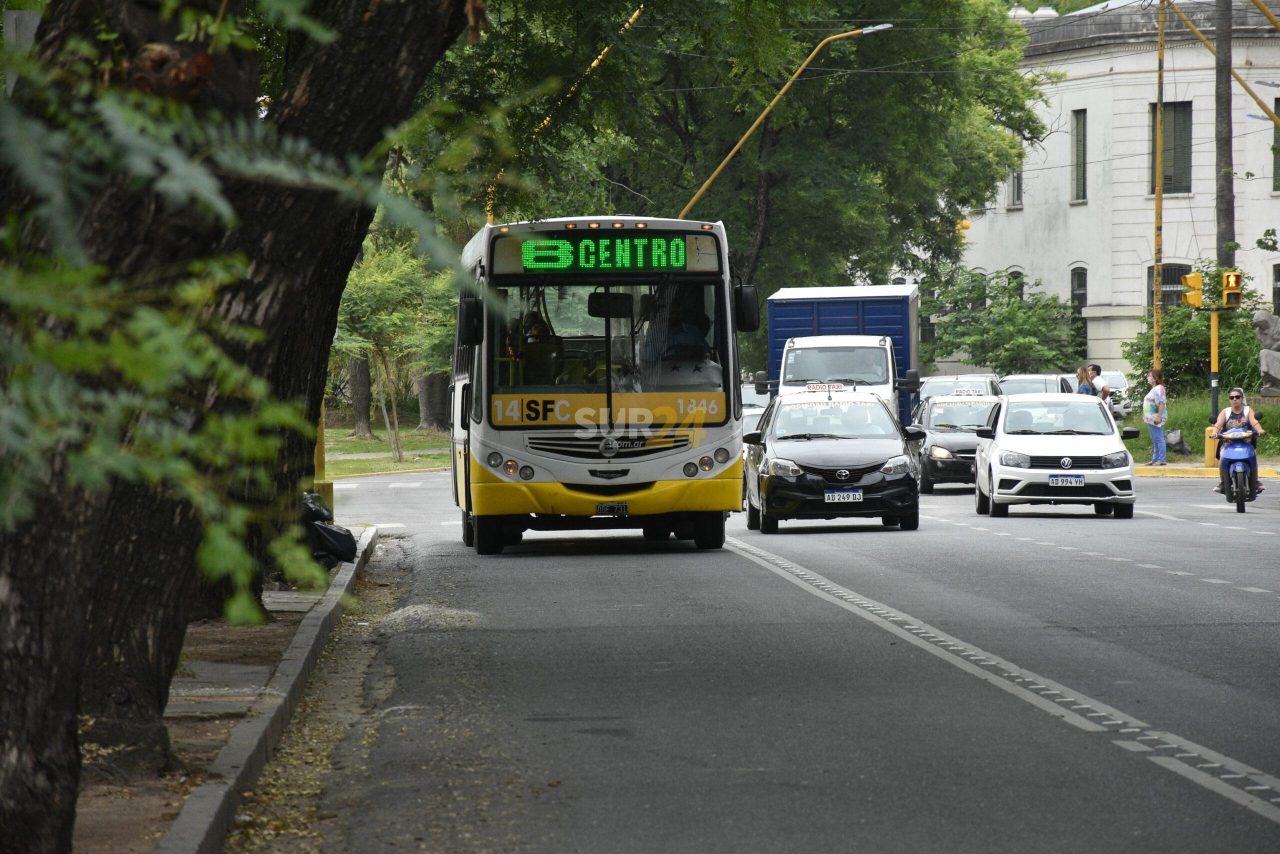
<point>595,448</point>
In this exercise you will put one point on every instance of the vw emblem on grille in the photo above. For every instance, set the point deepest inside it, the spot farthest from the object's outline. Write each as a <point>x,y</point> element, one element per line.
<point>843,474</point>
<point>1065,462</point>
<point>608,447</point>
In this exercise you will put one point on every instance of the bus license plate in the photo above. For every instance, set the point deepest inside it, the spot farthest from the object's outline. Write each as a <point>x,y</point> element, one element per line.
<point>1066,480</point>
<point>612,508</point>
<point>833,496</point>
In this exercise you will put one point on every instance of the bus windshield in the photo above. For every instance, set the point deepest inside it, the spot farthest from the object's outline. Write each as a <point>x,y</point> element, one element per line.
<point>588,337</point>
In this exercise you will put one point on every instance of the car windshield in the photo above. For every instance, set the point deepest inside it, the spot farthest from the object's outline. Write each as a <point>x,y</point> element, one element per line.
<point>853,365</point>
<point>957,416</point>
<point>1114,380</point>
<point>938,388</point>
<point>751,419</point>
<point>1071,417</point>
<point>834,419</point>
<point>1027,385</point>
<point>751,398</point>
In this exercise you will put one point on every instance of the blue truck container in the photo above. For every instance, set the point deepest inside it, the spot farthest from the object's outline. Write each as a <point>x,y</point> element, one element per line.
<point>884,310</point>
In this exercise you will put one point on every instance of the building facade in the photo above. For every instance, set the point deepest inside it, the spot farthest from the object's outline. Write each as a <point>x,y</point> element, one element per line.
<point>1080,215</point>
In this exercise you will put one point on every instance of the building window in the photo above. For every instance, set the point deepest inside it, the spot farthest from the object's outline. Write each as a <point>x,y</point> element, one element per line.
<point>1079,155</point>
<point>1275,152</point>
<point>1015,188</point>
<point>1080,299</point>
<point>1275,289</point>
<point>1177,147</point>
<point>1170,282</point>
<point>1018,279</point>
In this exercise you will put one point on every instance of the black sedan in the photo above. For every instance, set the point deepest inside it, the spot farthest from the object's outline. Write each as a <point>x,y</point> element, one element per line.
<point>949,424</point>
<point>819,455</point>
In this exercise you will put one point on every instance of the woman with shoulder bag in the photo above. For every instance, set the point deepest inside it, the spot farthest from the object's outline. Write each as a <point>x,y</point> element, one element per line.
<point>1155,413</point>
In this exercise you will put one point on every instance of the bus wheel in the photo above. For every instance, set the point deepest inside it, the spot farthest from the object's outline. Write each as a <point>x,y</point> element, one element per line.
<point>709,533</point>
<point>489,535</point>
<point>468,531</point>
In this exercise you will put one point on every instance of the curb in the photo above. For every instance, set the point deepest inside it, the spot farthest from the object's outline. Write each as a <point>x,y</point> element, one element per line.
<point>209,811</point>
<point>1192,471</point>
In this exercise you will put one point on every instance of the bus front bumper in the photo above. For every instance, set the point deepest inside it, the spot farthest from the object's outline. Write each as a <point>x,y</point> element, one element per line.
<point>492,496</point>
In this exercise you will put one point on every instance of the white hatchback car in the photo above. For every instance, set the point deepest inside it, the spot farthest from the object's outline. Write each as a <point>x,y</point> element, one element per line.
<point>1053,449</point>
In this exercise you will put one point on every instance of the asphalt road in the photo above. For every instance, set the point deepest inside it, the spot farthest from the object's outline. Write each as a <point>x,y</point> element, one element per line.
<point>1053,681</point>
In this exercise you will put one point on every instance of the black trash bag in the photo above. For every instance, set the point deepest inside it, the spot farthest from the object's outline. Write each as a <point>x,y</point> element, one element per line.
<point>333,541</point>
<point>314,509</point>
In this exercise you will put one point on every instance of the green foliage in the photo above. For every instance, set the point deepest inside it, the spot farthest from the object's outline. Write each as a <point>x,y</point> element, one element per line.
<point>110,380</point>
<point>998,322</point>
<point>1185,343</point>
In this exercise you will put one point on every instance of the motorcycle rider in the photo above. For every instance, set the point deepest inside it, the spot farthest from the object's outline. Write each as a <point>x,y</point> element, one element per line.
<point>1238,415</point>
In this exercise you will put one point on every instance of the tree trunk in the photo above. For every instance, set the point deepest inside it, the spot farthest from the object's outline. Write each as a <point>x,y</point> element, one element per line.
<point>361,398</point>
<point>1225,161</point>
<point>437,401</point>
<point>424,397</point>
<point>302,244</point>
<point>392,423</point>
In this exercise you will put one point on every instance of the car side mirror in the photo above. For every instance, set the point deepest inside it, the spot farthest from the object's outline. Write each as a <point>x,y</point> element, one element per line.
<point>909,382</point>
<point>1128,433</point>
<point>914,433</point>
<point>988,432</point>
<point>752,438</point>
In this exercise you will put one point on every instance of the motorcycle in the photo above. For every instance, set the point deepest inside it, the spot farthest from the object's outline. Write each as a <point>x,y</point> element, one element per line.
<point>1236,454</point>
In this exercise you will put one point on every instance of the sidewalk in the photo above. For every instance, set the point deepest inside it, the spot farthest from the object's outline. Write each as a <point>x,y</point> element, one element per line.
<point>229,703</point>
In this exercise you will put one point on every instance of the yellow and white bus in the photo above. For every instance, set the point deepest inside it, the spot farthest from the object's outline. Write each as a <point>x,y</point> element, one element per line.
<point>595,380</point>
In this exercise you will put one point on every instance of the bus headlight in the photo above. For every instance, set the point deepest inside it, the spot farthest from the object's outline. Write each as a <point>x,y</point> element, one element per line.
<point>510,467</point>
<point>722,455</point>
<point>495,459</point>
<point>690,469</point>
<point>526,472</point>
<point>706,463</point>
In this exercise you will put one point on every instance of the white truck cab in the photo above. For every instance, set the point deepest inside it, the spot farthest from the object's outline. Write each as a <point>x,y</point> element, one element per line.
<point>857,362</point>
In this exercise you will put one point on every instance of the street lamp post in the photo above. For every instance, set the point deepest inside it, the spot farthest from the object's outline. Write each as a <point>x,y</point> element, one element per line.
<point>776,98</point>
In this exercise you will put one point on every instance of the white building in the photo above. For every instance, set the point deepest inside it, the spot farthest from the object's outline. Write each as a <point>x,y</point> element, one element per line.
<point>1080,216</point>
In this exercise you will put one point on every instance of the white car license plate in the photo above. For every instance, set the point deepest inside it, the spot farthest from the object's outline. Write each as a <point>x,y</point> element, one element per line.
<point>613,508</point>
<point>833,496</point>
<point>1066,480</point>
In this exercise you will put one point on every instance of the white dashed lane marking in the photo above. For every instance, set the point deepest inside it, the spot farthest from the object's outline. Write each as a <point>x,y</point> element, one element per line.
<point>1222,775</point>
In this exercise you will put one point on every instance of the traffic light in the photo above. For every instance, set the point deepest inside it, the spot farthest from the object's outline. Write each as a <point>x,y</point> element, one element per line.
<point>1232,288</point>
<point>1193,293</point>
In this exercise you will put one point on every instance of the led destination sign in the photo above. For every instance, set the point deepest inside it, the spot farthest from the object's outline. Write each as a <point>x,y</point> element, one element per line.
<point>633,251</point>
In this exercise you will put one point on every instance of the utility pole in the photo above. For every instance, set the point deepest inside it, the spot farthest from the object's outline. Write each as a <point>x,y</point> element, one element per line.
<point>1157,258</point>
<point>1222,96</point>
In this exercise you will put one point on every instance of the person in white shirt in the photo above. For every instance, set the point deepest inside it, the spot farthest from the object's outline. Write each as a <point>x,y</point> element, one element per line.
<point>1099,384</point>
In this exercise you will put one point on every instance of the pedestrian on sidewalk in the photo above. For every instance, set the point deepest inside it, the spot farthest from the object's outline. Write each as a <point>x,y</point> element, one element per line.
<point>1155,413</point>
<point>1100,387</point>
<point>1083,385</point>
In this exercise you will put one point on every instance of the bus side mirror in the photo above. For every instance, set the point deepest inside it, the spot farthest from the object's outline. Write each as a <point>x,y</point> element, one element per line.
<point>746,311</point>
<point>470,321</point>
<point>910,382</point>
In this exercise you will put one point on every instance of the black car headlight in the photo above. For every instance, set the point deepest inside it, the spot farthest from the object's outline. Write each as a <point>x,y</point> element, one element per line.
<point>937,452</point>
<point>896,465</point>
<point>784,468</point>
